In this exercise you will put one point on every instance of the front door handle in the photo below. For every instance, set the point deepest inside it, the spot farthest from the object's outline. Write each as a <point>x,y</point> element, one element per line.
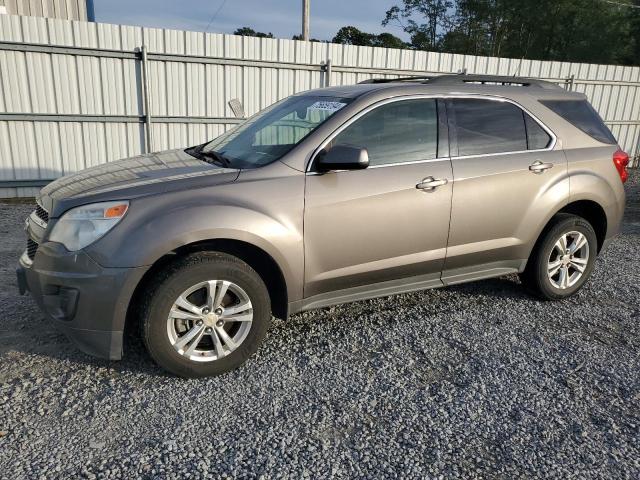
<point>431,183</point>
<point>540,167</point>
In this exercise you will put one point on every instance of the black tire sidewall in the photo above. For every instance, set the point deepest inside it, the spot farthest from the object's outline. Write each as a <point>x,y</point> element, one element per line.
<point>184,275</point>
<point>564,225</point>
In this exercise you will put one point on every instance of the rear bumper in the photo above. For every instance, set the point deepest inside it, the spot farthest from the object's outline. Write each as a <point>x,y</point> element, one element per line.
<point>85,301</point>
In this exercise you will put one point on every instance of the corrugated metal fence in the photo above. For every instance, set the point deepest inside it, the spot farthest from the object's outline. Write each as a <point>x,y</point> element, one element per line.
<point>66,9</point>
<point>76,94</point>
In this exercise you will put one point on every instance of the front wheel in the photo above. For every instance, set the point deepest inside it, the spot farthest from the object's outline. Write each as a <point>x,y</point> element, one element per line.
<point>205,315</point>
<point>563,258</point>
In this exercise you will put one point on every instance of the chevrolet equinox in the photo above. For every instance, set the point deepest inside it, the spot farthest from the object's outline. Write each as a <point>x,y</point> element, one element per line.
<point>328,196</point>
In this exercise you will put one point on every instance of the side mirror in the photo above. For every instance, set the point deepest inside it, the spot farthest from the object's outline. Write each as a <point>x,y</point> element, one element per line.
<point>342,157</point>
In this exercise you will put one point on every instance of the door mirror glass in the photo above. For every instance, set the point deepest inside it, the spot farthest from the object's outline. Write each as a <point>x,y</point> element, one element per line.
<point>342,157</point>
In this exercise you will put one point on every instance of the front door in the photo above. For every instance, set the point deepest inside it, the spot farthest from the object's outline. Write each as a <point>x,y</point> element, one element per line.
<point>389,221</point>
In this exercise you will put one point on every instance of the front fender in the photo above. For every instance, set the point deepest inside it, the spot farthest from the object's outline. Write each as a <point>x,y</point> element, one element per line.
<point>156,226</point>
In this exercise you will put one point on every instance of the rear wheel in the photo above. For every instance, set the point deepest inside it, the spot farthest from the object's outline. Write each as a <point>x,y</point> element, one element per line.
<point>563,258</point>
<point>205,315</point>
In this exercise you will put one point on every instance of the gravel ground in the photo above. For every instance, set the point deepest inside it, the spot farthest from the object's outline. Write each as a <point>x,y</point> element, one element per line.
<point>477,380</point>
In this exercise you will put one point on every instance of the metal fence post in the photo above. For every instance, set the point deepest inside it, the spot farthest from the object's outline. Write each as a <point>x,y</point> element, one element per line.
<point>326,68</point>
<point>568,82</point>
<point>146,101</point>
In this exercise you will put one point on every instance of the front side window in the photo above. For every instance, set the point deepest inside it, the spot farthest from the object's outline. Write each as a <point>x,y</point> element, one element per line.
<point>273,132</point>
<point>397,132</point>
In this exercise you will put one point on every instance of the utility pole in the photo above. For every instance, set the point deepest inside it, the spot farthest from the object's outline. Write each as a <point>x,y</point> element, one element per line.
<point>305,20</point>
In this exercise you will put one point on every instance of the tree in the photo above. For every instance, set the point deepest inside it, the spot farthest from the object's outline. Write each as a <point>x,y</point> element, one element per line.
<point>250,32</point>
<point>493,27</point>
<point>566,30</point>
<point>632,54</point>
<point>388,40</point>
<point>299,37</point>
<point>353,36</point>
<point>424,36</point>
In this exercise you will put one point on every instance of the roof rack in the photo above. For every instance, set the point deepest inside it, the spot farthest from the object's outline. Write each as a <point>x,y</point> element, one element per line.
<point>464,79</point>
<point>491,80</point>
<point>414,78</point>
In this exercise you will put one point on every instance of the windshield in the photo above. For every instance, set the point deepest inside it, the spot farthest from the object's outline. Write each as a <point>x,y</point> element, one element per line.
<point>273,132</point>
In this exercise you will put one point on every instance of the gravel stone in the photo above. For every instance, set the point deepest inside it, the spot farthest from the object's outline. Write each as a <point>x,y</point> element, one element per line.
<point>473,381</point>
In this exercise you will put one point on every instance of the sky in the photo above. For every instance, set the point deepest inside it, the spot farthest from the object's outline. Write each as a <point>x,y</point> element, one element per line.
<point>280,17</point>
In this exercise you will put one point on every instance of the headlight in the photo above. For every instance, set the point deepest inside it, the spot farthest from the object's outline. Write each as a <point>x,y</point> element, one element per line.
<point>81,226</point>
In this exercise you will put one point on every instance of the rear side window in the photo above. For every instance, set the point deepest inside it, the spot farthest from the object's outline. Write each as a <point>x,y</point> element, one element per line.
<point>583,116</point>
<point>487,126</point>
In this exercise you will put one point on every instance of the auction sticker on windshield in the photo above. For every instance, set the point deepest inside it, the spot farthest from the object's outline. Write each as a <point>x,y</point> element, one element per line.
<point>329,106</point>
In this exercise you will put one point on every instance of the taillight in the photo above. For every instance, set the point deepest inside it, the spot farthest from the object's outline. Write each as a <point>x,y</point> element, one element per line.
<point>621,160</point>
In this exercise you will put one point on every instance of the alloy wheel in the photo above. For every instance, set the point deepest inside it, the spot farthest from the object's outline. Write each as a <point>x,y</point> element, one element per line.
<point>209,320</point>
<point>568,260</point>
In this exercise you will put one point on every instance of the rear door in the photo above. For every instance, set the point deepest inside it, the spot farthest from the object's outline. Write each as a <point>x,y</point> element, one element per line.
<point>370,226</point>
<point>508,177</point>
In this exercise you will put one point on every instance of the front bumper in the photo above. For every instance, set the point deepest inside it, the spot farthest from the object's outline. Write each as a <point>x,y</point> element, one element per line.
<point>85,301</point>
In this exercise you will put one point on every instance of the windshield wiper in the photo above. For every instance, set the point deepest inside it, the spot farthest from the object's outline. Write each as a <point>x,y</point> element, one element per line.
<point>210,156</point>
<point>217,158</point>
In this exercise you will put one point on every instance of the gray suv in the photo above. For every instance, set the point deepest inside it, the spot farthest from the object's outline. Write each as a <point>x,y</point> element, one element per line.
<point>328,196</point>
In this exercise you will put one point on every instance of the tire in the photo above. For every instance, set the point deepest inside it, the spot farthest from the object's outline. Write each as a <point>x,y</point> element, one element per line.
<point>166,320</point>
<point>546,255</point>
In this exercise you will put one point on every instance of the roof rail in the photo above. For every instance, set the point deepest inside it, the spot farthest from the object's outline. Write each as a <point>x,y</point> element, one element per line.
<point>414,78</point>
<point>464,79</point>
<point>492,80</point>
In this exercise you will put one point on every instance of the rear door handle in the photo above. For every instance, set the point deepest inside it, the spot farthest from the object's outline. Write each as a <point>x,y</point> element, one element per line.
<point>431,183</point>
<point>540,167</point>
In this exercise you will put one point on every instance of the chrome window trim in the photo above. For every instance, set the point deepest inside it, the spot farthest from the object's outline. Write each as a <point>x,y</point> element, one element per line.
<point>413,162</point>
<point>364,111</point>
<point>384,165</point>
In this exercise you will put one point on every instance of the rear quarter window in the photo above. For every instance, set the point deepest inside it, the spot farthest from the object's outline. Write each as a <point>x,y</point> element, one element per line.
<point>537,138</point>
<point>582,115</point>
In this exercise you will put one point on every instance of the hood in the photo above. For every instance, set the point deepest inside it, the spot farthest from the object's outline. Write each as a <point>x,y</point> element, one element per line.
<point>131,178</point>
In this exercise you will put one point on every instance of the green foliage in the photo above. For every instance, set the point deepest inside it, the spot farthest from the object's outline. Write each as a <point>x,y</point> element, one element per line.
<point>633,53</point>
<point>352,36</point>
<point>250,32</point>
<point>299,37</point>
<point>589,31</point>
<point>424,36</point>
<point>595,31</point>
